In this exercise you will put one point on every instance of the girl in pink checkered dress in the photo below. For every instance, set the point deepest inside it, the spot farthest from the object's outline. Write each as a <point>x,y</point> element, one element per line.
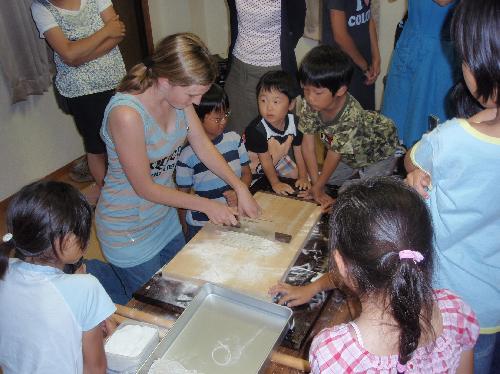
<point>381,235</point>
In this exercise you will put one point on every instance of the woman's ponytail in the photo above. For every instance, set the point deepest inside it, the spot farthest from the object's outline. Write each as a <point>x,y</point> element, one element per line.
<point>411,302</point>
<point>181,58</point>
<point>138,79</point>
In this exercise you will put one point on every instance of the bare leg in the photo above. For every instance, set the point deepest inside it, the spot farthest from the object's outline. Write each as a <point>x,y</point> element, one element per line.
<point>97,167</point>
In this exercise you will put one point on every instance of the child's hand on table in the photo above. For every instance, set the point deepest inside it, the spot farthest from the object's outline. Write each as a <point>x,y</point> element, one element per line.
<point>231,198</point>
<point>321,197</point>
<point>420,181</point>
<point>302,184</point>
<point>282,188</point>
<point>293,295</point>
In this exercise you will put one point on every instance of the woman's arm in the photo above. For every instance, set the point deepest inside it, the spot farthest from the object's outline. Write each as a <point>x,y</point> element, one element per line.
<point>107,15</point>
<point>94,358</point>
<point>126,129</point>
<point>344,40</point>
<point>77,52</point>
<point>210,157</point>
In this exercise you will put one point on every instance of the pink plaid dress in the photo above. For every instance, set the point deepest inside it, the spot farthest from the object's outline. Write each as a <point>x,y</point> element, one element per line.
<point>335,350</point>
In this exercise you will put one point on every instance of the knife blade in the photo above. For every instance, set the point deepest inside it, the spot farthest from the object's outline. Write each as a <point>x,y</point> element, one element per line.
<point>259,227</point>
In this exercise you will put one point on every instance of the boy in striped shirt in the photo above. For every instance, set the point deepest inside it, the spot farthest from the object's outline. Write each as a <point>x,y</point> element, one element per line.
<point>192,174</point>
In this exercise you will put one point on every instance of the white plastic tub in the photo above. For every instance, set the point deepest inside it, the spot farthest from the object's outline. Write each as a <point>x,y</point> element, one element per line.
<point>126,358</point>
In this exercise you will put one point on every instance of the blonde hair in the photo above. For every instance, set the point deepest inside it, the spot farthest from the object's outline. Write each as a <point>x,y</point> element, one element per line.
<point>181,58</point>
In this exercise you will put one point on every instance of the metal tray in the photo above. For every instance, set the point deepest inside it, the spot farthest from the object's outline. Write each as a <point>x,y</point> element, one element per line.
<point>223,331</point>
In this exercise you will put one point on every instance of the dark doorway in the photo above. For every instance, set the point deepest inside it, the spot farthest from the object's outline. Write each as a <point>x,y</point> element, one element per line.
<point>138,42</point>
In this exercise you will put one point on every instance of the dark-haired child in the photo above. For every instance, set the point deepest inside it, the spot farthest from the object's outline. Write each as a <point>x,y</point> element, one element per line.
<point>271,135</point>
<point>191,173</point>
<point>460,157</point>
<point>358,141</point>
<point>381,239</point>
<point>50,322</point>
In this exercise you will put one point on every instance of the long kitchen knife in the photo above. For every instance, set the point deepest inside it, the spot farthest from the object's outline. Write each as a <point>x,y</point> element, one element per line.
<point>259,227</point>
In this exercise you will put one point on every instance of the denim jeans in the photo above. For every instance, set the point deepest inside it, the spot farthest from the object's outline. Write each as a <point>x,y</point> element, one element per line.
<point>487,354</point>
<point>121,283</point>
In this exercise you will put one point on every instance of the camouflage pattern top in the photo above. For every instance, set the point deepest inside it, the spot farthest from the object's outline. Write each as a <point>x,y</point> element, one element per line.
<point>362,137</point>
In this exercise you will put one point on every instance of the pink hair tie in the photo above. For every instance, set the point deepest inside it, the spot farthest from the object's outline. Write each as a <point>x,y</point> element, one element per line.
<point>400,367</point>
<point>416,256</point>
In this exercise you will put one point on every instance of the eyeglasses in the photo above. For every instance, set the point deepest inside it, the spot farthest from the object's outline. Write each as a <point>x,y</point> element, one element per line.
<point>218,120</point>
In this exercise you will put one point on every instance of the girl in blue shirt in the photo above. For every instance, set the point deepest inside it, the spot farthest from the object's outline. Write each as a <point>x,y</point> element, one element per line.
<point>460,158</point>
<point>50,321</point>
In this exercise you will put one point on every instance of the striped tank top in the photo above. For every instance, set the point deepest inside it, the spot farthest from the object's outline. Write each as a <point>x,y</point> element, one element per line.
<point>130,229</point>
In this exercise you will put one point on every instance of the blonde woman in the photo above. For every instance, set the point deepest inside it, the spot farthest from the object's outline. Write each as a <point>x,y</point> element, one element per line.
<point>145,126</point>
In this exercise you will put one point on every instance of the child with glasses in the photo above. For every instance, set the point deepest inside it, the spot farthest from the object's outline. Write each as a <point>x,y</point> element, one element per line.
<point>270,137</point>
<point>192,174</point>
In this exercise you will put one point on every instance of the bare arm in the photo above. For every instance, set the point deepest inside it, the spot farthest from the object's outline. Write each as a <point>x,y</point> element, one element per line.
<point>208,154</point>
<point>303,181</point>
<point>409,166</point>
<point>183,212</point>
<point>416,177</point>
<point>246,175</point>
<point>308,149</point>
<point>466,364</point>
<point>94,358</point>
<point>107,15</point>
<point>374,70</point>
<point>443,2</point>
<point>126,129</point>
<point>344,40</point>
<point>268,166</point>
<point>298,295</point>
<point>77,52</point>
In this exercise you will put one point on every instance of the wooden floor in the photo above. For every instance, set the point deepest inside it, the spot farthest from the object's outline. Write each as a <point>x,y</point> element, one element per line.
<point>62,175</point>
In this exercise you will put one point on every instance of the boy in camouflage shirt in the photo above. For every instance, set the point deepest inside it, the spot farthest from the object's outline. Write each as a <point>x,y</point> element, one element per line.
<point>358,141</point>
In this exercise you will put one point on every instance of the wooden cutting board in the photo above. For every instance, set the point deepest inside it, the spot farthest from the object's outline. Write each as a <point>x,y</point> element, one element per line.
<point>245,262</point>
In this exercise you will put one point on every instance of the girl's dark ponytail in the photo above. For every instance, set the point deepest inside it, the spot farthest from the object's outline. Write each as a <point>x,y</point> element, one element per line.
<point>383,231</point>
<point>411,305</point>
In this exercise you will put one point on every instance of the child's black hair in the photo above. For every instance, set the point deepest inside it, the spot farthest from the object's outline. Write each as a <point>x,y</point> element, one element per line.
<point>42,213</point>
<point>371,222</point>
<point>475,30</point>
<point>215,99</point>
<point>278,80</point>
<point>326,66</point>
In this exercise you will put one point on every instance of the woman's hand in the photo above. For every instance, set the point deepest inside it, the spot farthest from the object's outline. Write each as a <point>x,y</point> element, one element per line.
<point>282,188</point>
<point>220,214</point>
<point>247,206</point>
<point>303,184</point>
<point>420,181</point>
<point>293,295</point>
